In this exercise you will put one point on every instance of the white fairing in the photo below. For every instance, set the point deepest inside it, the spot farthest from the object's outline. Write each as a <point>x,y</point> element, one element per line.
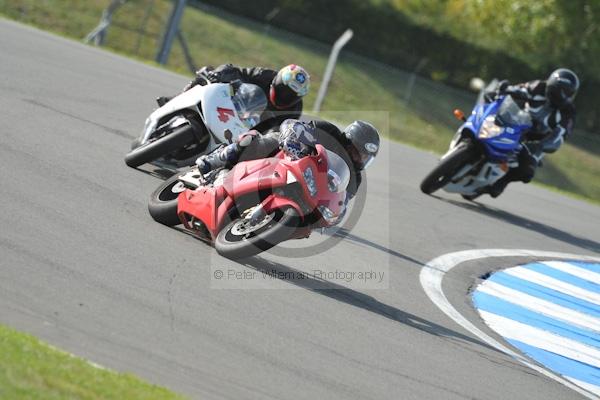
<point>217,111</point>
<point>487,176</point>
<point>220,113</point>
<point>186,100</point>
<point>469,184</point>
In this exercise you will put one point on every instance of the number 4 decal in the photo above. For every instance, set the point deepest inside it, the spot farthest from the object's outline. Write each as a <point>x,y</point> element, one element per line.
<point>224,114</point>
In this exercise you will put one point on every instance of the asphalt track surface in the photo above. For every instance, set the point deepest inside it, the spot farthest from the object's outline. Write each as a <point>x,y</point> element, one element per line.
<point>83,266</point>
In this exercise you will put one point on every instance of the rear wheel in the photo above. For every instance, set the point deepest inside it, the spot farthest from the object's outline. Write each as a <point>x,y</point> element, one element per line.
<point>448,167</point>
<point>162,146</point>
<point>241,238</point>
<point>162,205</point>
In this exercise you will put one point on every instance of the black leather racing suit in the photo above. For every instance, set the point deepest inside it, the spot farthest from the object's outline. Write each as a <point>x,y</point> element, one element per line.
<point>551,126</point>
<point>262,77</point>
<point>267,145</point>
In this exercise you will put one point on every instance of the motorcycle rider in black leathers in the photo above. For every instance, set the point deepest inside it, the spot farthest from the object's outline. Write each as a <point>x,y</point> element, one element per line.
<point>284,88</point>
<point>358,145</point>
<point>550,104</point>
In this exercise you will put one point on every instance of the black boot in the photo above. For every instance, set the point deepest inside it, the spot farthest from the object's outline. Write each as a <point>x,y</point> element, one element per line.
<point>498,187</point>
<point>224,157</point>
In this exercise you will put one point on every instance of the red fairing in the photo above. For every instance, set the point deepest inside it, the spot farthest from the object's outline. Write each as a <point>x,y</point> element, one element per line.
<point>318,163</point>
<point>253,176</point>
<point>211,205</point>
<point>273,202</point>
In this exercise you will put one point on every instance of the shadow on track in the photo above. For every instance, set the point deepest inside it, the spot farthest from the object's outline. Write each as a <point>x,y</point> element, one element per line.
<point>526,223</point>
<point>161,172</point>
<point>343,233</point>
<point>356,299</point>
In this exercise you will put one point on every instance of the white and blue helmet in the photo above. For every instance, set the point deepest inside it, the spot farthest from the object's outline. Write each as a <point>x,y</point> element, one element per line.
<point>297,139</point>
<point>289,86</point>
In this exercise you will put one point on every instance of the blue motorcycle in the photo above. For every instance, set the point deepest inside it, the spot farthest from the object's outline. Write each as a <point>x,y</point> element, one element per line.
<point>482,150</point>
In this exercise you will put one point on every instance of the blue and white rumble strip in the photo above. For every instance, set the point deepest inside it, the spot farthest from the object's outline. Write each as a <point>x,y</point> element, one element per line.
<point>551,312</point>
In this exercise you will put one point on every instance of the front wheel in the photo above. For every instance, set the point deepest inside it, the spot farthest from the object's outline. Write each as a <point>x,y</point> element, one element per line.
<point>448,167</point>
<point>162,146</point>
<point>471,197</point>
<point>162,205</point>
<point>241,238</point>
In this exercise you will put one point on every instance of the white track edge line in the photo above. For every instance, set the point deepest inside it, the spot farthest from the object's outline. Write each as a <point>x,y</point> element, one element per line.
<point>431,277</point>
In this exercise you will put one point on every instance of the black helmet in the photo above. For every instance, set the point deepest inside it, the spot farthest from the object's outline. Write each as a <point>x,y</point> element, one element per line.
<point>363,141</point>
<point>561,87</point>
<point>289,86</point>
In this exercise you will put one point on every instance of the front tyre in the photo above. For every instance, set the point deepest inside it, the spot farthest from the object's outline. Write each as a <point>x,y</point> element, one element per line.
<point>471,197</point>
<point>448,167</point>
<point>162,146</point>
<point>162,205</point>
<point>240,239</point>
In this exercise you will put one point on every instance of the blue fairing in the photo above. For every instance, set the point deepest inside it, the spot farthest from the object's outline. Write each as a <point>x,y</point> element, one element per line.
<point>507,143</point>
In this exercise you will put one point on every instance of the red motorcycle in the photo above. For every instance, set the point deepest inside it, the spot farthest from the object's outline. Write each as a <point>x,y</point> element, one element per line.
<point>257,204</point>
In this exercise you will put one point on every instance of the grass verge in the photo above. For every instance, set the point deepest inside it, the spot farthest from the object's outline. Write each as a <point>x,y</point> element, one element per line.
<point>31,369</point>
<point>420,114</point>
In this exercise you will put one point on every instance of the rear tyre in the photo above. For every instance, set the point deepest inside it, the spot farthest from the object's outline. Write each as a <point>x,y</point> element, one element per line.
<point>172,141</point>
<point>162,205</point>
<point>239,239</point>
<point>448,167</point>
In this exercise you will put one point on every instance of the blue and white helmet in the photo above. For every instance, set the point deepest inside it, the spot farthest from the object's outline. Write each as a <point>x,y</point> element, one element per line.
<point>297,139</point>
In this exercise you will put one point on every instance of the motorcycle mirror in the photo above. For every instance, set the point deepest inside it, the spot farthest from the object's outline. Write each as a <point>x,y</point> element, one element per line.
<point>459,115</point>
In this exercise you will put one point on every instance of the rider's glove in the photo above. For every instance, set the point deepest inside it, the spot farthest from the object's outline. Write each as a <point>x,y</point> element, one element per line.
<point>223,73</point>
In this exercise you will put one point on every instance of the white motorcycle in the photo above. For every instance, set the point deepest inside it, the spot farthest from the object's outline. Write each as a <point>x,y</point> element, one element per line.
<point>196,122</point>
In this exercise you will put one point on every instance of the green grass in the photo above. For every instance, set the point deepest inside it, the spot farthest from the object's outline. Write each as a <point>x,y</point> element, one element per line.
<point>424,120</point>
<point>30,369</point>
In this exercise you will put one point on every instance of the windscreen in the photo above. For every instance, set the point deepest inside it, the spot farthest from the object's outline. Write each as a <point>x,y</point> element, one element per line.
<point>338,172</point>
<point>511,114</point>
<point>250,101</point>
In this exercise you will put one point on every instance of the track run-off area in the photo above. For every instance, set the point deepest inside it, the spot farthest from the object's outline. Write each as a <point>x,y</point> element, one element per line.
<point>85,268</point>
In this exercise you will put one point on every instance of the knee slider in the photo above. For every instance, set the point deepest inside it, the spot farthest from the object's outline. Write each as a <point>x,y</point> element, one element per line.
<point>247,138</point>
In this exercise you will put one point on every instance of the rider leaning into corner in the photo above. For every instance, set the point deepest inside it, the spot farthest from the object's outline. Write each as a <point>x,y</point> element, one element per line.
<point>550,104</point>
<point>358,145</point>
<point>284,88</point>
